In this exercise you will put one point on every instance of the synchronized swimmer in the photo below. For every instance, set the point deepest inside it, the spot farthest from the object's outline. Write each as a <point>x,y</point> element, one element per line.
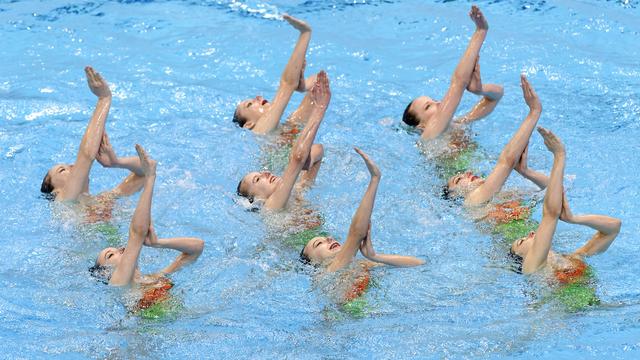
<point>118,266</point>
<point>70,182</point>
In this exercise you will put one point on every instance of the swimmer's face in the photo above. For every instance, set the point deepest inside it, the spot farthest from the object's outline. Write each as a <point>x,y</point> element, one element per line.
<point>59,175</point>
<point>521,246</point>
<point>424,109</point>
<point>464,183</point>
<point>260,185</point>
<point>110,256</point>
<point>252,109</point>
<point>321,248</point>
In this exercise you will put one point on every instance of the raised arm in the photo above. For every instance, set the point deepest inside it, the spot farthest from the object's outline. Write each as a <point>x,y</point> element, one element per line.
<point>190,249</point>
<point>302,113</point>
<point>321,96</point>
<point>460,79</point>
<point>607,229</point>
<point>140,223</point>
<point>534,176</point>
<point>511,152</point>
<point>290,79</point>
<point>491,95</point>
<point>311,166</point>
<point>536,257</point>
<point>361,219</point>
<point>107,158</point>
<point>79,177</point>
<point>366,248</point>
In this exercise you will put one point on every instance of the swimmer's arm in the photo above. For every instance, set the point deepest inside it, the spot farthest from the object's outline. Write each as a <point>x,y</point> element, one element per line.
<point>138,231</point>
<point>289,80</point>
<point>92,138</point>
<point>491,95</point>
<point>607,229</point>
<point>311,166</point>
<point>361,219</point>
<point>190,249</point>
<point>297,159</point>
<point>301,148</point>
<point>460,79</point>
<point>397,260</point>
<point>129,186</point>
<point>539,251</point>
<point>302,113</point>
<point>107,158</point>
<point>511,152</point>
<point>366,249</point>
<point>534,176</point>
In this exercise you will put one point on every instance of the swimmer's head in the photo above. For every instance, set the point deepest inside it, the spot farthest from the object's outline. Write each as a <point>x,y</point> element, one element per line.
<point>522,246</point>
<point>420,111</point>
<point>258,185</point>
<point>110,257</point>
<point>249,111</point>
<point>461,184</point>
<point>319,249</point>
<point>56,178</point>
<point>107,260</point>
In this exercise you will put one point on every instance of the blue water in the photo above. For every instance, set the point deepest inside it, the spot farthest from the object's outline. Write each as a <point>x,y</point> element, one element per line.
<point>177,69</point>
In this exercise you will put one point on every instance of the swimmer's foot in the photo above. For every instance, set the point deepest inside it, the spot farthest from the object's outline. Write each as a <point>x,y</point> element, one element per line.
<point>297,23</point>
<point>148,165</point>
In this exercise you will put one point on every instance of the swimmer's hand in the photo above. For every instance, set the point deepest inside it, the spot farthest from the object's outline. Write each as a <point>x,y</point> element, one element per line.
<point>521,166</point>
<point>152,238</point>
<point>106,156</point>
<point>530,96</point>
<point>475,85</point>
<point>297,23</point>
<point>97,84</point>
<point>366,246</point>
<point>302,84</point>
<point>321,93</point>
<point>478,18</point>
<point>566,215</point>
<point>551,141</point>
<point>373,168</point>
<point>147,164</point>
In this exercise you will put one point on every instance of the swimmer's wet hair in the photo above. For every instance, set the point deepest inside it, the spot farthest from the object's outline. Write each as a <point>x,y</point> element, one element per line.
<point>409,118</point>
<point>446,194</point>
<point>244,194</point>
<point>517,259</point>
<point>101,273</point>
<point>47,187</point>
<point>303,257</point>
<point>238,119</point>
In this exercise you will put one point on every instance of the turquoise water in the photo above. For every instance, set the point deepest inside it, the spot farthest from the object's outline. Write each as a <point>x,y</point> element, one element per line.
<point>177,69</point>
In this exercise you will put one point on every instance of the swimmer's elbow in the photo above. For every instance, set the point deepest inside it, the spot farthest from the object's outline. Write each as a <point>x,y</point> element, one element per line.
<point>199,247</point>
<point>617,224</point>
<point>299,155</point>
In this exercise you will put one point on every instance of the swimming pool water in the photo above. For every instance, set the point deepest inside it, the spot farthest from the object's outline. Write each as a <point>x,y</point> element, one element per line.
<point>177,69</point>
